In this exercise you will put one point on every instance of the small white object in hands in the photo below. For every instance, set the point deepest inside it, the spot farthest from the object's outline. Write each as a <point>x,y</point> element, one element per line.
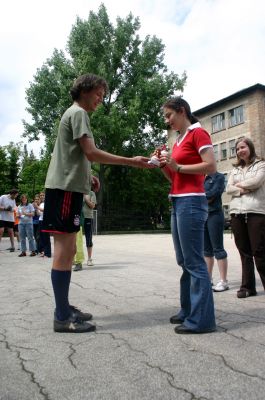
<point>164,153</point>
<point>154,160</point>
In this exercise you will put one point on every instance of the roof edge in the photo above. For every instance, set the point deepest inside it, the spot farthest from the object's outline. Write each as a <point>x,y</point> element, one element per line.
<point>257,86</point>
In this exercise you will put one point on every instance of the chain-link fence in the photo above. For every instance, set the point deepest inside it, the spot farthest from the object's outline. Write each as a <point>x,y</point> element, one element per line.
<point>128,221</point>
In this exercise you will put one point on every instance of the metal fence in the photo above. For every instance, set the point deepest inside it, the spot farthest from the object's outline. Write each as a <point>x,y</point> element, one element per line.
<point>127,221</point>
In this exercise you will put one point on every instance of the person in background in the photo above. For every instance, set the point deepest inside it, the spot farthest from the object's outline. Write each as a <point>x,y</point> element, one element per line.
<point>214,185</point>
<point>16,222</point>
<point>79,255</point>
<point>36,217</point>
<point>86,223</point>
<point>89,204</point>
<point>73,153</point>
<point>44,240</point>
<point>192,157</point>
<point>25,226</point>
<point>7,207</point>
<point>15,230</point>
<point>246,185</point>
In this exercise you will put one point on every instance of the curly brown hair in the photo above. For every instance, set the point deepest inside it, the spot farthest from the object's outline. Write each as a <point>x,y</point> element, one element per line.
<point>87,83</point>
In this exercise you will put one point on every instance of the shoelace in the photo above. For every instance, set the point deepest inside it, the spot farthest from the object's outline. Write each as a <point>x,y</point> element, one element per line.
<point>75,308</point>
<point>78,321</point>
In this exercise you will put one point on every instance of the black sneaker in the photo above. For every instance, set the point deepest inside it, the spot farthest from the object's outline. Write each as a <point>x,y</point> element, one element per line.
<point>73,325</point>
<point>12,249</point>
<point>76,313</point>
<point>78,267</point>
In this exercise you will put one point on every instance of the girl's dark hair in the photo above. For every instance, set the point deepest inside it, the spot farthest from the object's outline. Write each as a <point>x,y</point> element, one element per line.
<point>87,83</point>
<point>13,191</point>
<point>177,103</point>
<point>252,152</point>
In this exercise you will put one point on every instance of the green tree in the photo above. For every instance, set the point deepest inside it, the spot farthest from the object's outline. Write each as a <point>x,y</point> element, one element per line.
<point>32,174</point>
<point>129,121</point>
<point>13,164</point>
<point>3,171</point>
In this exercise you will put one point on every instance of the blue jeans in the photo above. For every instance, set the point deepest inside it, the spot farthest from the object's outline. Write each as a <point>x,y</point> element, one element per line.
<point>189,214</point>
<point>26,231</point>
<point>214,236</point>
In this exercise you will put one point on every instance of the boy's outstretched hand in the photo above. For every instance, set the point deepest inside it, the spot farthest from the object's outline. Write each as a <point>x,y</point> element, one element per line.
<point>141,162</point>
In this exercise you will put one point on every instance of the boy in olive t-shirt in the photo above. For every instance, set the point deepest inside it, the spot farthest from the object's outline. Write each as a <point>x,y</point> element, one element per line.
<point>68,178</point>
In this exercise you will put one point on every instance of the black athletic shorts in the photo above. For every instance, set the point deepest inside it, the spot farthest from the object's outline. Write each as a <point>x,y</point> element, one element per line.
<point>62,211</point>
<point>6,224</point>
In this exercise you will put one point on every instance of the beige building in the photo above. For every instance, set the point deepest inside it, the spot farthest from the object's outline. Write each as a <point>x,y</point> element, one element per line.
<point>228,119</point>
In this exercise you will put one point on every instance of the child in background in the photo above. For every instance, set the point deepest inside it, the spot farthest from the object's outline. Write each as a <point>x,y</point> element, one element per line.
<point>16,222</point>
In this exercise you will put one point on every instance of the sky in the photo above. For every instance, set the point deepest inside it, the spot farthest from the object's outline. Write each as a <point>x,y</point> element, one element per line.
<point>219,43</point>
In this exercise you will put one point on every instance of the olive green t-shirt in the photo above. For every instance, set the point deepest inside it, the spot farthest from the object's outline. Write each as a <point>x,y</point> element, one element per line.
<point>87,211</point>
<point>69,168</point>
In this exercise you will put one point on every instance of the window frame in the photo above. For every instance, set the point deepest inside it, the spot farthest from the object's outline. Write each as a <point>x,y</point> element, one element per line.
<point>225,149</point>
<point>238,116</point>
<point>216,153</point>
<point>232,149</point>
<point>218,124</point>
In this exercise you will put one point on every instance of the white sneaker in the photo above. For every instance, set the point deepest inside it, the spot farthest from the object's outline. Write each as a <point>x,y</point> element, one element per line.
<point>221,286</point>
<point>90,262</point>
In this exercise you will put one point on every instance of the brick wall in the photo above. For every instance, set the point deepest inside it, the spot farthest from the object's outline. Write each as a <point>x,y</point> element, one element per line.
<point>253,126</point>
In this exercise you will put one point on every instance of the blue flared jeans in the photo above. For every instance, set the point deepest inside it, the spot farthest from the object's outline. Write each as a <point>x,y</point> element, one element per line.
<point>188,217</point>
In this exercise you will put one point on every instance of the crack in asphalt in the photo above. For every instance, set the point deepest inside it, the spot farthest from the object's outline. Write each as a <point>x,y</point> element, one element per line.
<point>170,376</point>
<point>91,301</point>
<point>244,316</point>
<point>71,355</point>
<point>171,379</point>
<point>226,363</point>
<point>228,332</point>
<point>125,342</point>
<point>22,362</point>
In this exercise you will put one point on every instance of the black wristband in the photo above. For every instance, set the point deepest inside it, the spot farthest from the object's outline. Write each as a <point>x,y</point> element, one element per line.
<point>179,168</point>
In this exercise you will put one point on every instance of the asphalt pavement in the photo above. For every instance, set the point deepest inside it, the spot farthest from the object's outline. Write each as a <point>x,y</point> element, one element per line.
<point>132,290</point>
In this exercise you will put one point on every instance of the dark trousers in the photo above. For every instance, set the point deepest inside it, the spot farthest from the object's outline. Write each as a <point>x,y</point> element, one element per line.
<point>36,232</point>
<point>45,242</point>
<point>249,233</point>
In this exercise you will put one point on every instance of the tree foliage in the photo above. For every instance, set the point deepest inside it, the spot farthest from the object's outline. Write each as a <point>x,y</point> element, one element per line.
<point>21,170</point>
<point>9,166</point>
<point>4,184</point>
<point>32,174</point>
<point>129,121</point>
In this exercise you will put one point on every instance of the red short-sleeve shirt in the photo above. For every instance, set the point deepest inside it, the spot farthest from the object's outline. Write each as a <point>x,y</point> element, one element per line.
<point>187,152</point>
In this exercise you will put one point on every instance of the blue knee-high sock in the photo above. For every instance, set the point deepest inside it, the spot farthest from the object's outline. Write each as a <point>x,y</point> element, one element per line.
<point>61,282</point>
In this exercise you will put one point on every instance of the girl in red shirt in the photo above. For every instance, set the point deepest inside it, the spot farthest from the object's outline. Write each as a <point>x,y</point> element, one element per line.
<point>192,157</point>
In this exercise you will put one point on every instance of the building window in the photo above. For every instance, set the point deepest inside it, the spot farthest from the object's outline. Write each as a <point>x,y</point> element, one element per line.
<point>218,122</point>
<point>223,151</point>
<point>216,152</point>
<point>236,116</point>
<point>232,148</point>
